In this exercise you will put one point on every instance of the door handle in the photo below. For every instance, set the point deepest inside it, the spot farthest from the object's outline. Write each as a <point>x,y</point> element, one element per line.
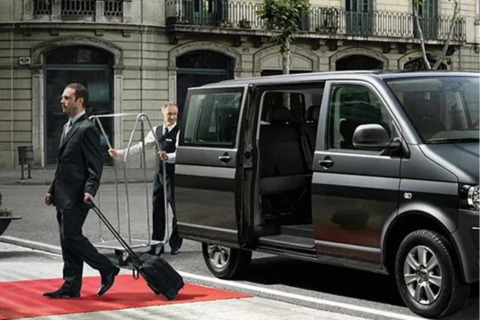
<point>225,158</point>
<point>326,163</point>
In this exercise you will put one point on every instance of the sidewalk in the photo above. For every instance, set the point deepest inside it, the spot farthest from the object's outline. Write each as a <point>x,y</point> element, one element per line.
<point>20,264</point>
<point>44,176</point>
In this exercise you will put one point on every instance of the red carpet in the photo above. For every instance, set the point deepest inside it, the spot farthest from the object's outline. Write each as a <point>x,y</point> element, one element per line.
<point>24,298</point>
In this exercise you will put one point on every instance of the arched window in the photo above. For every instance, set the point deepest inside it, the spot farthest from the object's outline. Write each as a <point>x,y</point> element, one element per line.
<point>358,62</point>
<point>419,64</point>
<point>200,67</point>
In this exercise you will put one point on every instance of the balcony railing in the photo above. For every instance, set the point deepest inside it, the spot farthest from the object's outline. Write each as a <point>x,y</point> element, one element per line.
<point>79,8</point>
<point>326,21</point>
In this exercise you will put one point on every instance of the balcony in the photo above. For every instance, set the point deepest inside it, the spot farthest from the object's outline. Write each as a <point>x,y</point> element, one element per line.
<point>84,10</point>
<point>237,17</point>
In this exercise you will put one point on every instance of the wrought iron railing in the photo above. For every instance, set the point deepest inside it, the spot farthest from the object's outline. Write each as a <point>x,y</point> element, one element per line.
<point>40,7</point>
<point>77,7</point>
<point>243,14</point>
<point>113,8</point>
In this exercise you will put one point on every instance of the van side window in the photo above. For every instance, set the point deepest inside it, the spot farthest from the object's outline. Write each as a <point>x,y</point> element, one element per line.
<point>351,106</point>
<point>212,119</point>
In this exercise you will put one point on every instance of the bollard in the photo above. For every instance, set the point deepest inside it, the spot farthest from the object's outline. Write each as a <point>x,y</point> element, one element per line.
<point>25,157</point>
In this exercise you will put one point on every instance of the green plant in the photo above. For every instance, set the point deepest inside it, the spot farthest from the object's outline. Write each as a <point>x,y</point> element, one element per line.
<point>4,212</point>
<point>284,17</point>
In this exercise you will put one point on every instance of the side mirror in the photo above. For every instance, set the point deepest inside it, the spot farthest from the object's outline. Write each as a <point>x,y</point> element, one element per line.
<point>373,137</point>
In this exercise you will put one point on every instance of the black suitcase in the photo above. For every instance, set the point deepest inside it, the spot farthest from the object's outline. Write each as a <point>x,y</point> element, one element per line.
<point>158,274</point>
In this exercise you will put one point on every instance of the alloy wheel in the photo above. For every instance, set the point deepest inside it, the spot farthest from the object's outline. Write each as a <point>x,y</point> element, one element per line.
<point>423,275</point>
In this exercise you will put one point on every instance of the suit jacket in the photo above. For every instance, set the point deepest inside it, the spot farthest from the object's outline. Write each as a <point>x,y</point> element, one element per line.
<point>79,166</point>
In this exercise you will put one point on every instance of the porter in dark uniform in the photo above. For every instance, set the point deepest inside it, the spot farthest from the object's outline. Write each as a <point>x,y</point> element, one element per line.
<point>167,135</point>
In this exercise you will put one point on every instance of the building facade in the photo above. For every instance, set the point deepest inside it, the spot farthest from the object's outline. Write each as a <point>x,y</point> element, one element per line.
<point>135,55</point>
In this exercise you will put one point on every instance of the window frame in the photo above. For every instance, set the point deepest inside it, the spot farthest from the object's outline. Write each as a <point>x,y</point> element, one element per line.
<point>396,132</point>
<point>233,145</point>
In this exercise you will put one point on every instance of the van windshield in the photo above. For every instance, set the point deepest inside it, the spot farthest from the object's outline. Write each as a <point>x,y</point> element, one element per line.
<point>442,109</point>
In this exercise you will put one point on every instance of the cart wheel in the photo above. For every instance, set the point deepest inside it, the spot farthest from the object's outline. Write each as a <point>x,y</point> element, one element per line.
<point>123,257</point>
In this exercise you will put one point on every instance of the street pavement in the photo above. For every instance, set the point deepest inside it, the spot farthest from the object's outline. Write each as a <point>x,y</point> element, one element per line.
<point>44,176</point>
<point>20,263</point>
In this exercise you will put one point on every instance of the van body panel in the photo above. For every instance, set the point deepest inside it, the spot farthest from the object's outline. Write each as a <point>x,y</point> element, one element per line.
<point>419,167</point>
<point>461,159</point>
<point>466,242</point>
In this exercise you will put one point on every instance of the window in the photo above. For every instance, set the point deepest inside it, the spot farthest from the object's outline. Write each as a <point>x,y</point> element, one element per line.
<point>294,101</point>
<point>351,106</point>
<point>212,119</point>
<point>443,109</point>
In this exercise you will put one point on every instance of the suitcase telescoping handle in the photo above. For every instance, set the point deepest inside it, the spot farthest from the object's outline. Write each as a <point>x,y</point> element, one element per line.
<point>117,236</point>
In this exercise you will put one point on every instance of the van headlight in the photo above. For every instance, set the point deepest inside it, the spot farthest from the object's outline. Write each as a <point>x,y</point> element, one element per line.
<point>469,196</point>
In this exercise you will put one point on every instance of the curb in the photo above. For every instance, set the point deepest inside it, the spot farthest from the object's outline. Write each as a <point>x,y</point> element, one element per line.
<point>31,244</point>
<point>47,183</point>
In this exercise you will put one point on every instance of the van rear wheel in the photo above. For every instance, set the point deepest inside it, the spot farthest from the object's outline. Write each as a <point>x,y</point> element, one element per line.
<point>225,262</point>
<point>426,276</point>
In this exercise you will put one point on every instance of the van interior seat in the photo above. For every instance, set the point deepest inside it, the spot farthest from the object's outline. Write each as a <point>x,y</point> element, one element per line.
<point>282,166</point>
<point>313,113</point>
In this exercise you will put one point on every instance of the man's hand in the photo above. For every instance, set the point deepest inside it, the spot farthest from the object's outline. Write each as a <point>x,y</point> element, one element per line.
<point>163,156</point>
<point>48,199</point>
<point>87,198</point>
<point>113,153</point>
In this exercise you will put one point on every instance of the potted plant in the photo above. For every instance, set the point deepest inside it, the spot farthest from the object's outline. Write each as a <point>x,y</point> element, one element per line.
<point>244,23</point>
<point>5,217</point>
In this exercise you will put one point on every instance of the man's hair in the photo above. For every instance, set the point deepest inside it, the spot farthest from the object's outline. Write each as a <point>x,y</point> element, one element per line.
<point>169,104</point>
<point>80,92</point>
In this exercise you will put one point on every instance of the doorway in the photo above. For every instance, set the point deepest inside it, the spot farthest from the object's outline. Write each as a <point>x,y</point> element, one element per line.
<point>358,62</point>
<point>89,66</point>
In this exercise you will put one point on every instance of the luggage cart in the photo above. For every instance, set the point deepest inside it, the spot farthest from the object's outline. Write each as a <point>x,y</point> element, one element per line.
<point>119,250</point>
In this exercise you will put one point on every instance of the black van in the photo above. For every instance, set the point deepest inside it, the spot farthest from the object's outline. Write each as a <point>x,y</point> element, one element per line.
<point>368,170</point>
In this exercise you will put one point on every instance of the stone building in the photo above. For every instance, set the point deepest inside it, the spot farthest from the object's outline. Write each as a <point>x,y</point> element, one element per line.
<point>134,55</point>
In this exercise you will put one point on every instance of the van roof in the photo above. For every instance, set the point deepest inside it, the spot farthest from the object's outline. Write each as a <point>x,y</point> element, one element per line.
<point>328,75</point>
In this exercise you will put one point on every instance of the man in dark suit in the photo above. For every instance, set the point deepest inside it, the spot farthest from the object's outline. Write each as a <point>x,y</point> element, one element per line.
<point>167,135</point>
<point>77,178</point>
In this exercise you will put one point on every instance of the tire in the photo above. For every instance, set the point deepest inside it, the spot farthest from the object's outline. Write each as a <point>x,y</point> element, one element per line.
<point>224,262</point>
<point>434,287</point>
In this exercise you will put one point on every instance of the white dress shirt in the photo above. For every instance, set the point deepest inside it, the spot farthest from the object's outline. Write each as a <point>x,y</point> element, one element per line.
<point>149,143</point>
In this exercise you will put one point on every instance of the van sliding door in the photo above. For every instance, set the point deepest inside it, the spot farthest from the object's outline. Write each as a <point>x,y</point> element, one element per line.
<point>207,173</point>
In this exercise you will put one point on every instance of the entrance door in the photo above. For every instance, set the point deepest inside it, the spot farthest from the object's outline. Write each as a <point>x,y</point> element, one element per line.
<point>359,17</point>
<point>208,169</point>
<point>427,11</point>
<point>206,12</point>
<point>354,192</point>
<point>76,64</point>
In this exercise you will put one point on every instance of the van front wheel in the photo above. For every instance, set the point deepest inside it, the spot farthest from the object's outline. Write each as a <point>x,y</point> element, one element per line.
<point>426,275</point>
<point>225,262</point>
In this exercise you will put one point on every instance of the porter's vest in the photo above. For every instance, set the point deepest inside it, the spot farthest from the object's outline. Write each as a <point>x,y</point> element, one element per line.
<point>168,143</point>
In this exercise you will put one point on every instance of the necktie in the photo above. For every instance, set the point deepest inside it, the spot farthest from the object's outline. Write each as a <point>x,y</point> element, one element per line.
<point>166,130</point>
<point>68,125</point>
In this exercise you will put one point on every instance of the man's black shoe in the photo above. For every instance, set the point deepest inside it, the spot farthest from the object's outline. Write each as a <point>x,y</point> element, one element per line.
<point>175,251</point>
<point>62,293</point>
<point>107,281</point>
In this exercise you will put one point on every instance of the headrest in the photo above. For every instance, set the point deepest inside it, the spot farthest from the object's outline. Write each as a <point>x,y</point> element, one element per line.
<point>313,113</point>
<point>279,115</point>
